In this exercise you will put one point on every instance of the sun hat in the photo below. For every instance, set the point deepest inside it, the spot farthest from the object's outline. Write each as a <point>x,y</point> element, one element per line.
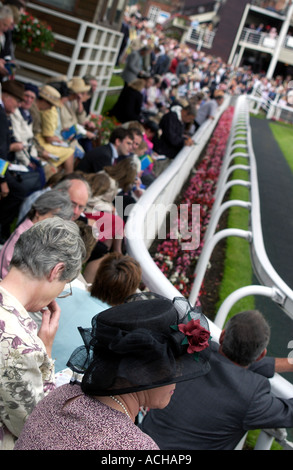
<point>78,85</point>
<point>147,342</point>
<point>13,88</point>
<point>51,95</point>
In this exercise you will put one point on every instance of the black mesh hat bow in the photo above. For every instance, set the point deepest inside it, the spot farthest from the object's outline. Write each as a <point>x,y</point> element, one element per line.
<point>149,341</point>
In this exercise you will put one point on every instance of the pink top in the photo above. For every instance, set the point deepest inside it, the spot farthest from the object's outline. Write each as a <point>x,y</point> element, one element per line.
<point>8,248</point>
<point>82,424</point>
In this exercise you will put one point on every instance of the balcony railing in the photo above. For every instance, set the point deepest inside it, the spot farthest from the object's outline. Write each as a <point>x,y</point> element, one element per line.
<point>200,37</point>
<point>258,39</point>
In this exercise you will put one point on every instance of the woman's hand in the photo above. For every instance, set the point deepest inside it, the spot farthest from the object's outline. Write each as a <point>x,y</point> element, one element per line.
<point>16,147</point>
<point>49,326</point>
<point>4,190</point>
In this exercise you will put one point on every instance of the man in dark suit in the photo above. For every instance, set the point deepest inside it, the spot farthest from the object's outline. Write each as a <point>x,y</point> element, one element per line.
<point>173,137</point>
<point>214,411</point>
<point>120,145</point>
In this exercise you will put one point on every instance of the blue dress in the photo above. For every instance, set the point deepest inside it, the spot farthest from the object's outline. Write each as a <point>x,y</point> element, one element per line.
<point>76,310</point>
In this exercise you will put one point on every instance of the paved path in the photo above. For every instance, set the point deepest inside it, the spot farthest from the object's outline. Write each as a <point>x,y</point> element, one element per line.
<point>276,200</point>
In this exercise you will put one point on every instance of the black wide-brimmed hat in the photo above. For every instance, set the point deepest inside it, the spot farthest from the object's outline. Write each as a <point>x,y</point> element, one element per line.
<point>147,342</point>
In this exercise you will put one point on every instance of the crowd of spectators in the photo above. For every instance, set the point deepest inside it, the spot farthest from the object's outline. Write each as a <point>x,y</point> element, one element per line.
<point>56,177</point>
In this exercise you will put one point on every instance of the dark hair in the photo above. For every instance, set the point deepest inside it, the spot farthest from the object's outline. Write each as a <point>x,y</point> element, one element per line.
<point>86,234</point>
<point>246,336</point>
<point>120,133</point>
<point>61,87</point>
<point>117,277</point>
<point>190,109</point>
<point>124,172</point>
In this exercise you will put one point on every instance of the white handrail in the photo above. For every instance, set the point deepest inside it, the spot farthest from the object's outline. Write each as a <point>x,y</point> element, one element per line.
<point>156,281</point>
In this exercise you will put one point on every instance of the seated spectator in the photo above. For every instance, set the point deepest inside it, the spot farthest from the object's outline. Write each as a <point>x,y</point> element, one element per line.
<point>46,257</point>
<point>116,278</point>
<point>146,164</point>
<point>120,145</point>
<point>126,174</point>
<point>101,410</point>
<point>129,103</point>
<point>47,205</point>
<point>93,83</point>
<point>162,63</point>
<point>45,124</point>
<point>79,192</point>
<point>23,146</point>
<point>107,220</point>
<point>74,114</point>
<point>88,239</point>
<point>76,186</point>
<point>208,109</point>
<point>71,132</point>
<point>214,412</point>
<point>15,185</point>
<point>173,138</point>
<point>107,226</point>
<point>151,129</point>
<point>137,130</point>
<point>103,192</point>
<point>148,93</point>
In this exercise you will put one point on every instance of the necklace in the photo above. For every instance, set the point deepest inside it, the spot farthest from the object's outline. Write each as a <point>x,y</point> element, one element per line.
<point>121,404</point>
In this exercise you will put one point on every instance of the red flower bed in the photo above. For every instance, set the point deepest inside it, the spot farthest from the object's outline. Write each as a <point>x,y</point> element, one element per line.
<point>178,264</point>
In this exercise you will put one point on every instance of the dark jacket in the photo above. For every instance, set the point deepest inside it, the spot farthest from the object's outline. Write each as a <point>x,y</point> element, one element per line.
<point>214,411</point>
<point>4,136</point>
<point>172,139</point>
<point>96,159</point>
<point>128,106</point>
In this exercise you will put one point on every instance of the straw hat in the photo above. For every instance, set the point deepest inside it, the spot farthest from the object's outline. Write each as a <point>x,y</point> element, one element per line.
<point>78,85</point>
<point>51,95</point>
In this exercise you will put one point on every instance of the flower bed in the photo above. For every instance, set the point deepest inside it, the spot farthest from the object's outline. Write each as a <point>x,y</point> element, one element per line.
<point>104,125</point>
<point>179,265</point>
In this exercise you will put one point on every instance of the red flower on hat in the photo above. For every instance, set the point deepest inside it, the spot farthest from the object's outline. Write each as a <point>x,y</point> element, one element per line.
<point>196,336</point>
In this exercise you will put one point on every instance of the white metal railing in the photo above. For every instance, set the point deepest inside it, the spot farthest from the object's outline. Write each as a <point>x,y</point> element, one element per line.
<point>261,39</point>
<point>273,286</point>
<point>258,38</point>
<point>94,51</point>
<point>164,189</point>
<point>145,219</point>
<point>274,109</point>
<point>200,37</point>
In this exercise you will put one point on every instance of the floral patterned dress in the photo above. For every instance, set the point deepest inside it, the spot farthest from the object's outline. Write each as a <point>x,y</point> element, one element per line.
<point>26,371</point>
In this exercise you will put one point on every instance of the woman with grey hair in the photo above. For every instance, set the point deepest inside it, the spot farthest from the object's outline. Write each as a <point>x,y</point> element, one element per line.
<point>46,257</point>
<point>47,205</point>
